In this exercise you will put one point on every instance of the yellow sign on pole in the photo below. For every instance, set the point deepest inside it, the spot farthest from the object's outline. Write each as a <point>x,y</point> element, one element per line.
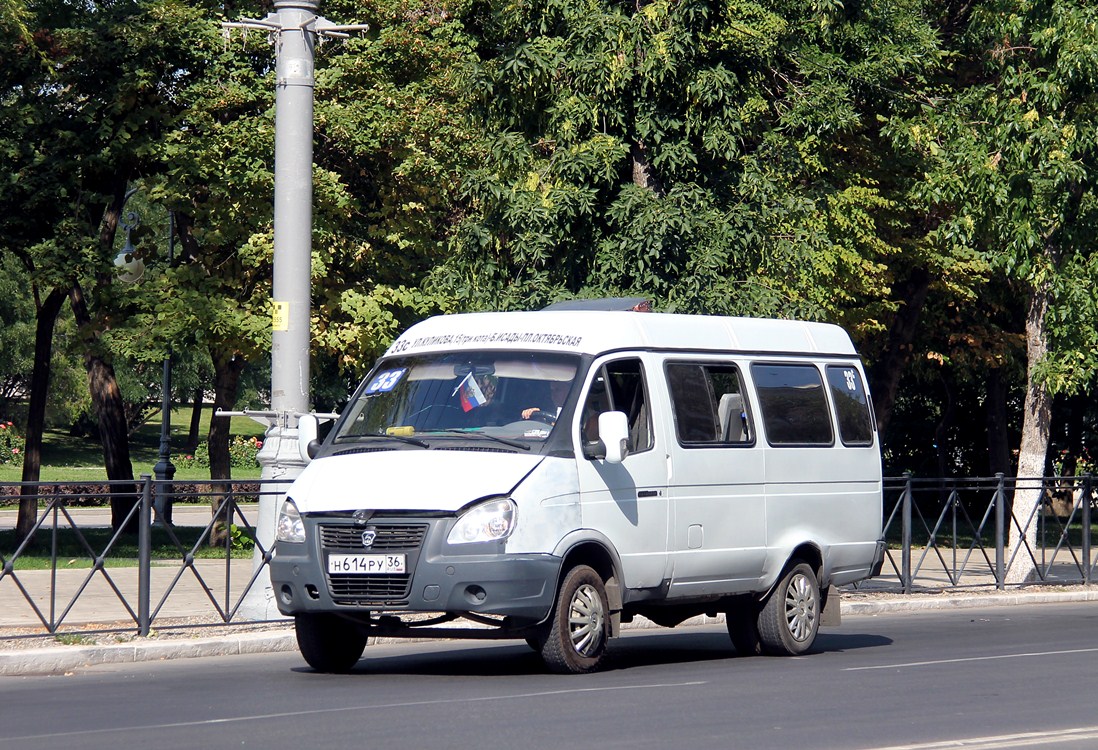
<point>280,316</point>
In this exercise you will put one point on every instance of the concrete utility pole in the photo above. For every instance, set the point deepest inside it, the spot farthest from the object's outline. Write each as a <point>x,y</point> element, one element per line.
<point>293,28</point>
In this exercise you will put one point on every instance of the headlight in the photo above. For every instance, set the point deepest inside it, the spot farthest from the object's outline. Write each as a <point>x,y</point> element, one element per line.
<point>486,522</point>
<point>290,528</point>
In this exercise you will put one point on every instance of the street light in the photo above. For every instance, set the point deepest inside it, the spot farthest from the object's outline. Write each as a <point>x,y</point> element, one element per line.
<point>132,270</point>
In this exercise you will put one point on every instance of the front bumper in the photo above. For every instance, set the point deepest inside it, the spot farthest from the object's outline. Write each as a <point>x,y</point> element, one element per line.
<point>474,578</point>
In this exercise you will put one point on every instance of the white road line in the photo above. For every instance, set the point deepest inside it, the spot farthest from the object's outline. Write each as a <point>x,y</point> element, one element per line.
<point>937,662</point>
<point>342,709</point>
<point>1026,739</point>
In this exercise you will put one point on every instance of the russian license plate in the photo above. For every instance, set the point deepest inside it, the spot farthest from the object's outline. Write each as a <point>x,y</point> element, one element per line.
<point>366,564</point>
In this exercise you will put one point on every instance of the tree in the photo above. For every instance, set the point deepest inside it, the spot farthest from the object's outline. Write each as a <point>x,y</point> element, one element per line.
<point>1015,145</point>
<point>89,97</point>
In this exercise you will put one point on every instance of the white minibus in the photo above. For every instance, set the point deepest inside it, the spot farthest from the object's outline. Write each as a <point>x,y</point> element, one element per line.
<point>551,475</point>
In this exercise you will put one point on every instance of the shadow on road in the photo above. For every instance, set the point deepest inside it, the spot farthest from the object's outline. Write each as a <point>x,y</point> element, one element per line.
<point>633,651</point>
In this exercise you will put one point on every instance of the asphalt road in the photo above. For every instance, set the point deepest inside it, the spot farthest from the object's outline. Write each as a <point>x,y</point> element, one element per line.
<point>1022,676</point>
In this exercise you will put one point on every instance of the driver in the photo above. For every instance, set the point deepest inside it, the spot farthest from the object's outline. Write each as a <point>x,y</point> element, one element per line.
<point>558,392</point>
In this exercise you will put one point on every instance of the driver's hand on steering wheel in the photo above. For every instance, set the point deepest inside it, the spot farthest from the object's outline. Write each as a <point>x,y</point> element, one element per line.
<point>540,414</point>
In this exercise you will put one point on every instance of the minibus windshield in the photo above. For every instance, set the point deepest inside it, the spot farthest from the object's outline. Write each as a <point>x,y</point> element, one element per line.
<point>512,398</point>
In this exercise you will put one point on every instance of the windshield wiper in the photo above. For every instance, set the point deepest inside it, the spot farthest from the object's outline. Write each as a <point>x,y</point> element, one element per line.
<point>375,435</point>
<point>505,441</point>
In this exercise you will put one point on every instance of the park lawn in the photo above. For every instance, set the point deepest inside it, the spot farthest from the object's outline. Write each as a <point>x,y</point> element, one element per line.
<point>66,458</point>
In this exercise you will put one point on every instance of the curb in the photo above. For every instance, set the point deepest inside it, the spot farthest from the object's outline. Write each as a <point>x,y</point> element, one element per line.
<point>924,603</point>
<point>65,659</point>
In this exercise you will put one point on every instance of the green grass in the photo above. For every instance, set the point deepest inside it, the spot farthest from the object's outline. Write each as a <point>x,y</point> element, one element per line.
<point>71,553</point>
<point>77,459</point>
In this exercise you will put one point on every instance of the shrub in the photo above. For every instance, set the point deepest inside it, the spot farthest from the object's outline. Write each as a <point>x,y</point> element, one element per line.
<point>11,443</point>
<point>242,454</point>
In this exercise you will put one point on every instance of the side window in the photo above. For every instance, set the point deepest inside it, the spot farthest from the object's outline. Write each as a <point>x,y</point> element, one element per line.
<point>620,386</point>
<point>708,403</point>
<point>851,405</point>
<point>793,404</point>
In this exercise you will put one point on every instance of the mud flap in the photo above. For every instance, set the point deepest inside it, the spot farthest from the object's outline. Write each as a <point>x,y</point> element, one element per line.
<point>832,613</point>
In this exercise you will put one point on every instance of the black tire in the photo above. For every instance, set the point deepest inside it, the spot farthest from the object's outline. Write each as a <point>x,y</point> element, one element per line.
<point>743,628</point>
<point>579,627</point>
<point>329,643</point>
<point>790,617</point>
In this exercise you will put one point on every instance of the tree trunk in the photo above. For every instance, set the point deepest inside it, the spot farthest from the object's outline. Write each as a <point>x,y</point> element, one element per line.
<point>196,420</point>
<point>228,366</point>
<point>941,431</point>
<point>1034,446</point>
<point>111,415</point>
<point>36,412</point>
<point>998,438</point>
<point>643,174</point>
<point>886,373</point>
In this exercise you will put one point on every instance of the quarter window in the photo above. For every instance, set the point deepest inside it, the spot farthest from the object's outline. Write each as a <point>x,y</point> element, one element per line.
<point>793,404</point>
<point>851,405</point>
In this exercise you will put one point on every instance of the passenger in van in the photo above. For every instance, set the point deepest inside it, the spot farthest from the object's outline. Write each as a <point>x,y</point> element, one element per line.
<point>558,392</point>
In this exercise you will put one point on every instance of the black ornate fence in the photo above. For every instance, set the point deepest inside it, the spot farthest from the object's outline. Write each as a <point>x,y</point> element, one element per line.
<point>74,570</point>
<point>956,533</point>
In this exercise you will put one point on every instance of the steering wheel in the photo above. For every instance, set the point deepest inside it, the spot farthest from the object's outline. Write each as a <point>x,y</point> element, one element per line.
<point>543,416</point>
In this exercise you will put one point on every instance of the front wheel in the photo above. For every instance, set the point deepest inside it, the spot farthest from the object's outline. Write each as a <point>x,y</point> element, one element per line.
<point>790,618</point>
<point>580,625</point>
<point>329,643</point>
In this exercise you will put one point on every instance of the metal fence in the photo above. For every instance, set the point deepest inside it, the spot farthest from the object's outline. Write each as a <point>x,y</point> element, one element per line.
<point>956,533</point>
<point>74,571</point>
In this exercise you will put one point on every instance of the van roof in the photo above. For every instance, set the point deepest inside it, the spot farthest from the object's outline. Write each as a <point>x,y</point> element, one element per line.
<point>593,332</point>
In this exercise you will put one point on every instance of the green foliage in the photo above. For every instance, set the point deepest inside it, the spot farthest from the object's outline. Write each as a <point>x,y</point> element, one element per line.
<point>11,443</point>
<point>242,454</point>
<point>241,539</point>
<point>717,157</point>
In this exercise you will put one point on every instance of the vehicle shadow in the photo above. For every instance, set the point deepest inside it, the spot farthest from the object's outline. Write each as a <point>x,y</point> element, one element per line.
<point>634,650</point>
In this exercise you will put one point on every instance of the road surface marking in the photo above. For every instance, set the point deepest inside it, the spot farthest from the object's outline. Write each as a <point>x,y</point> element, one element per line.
<point>962,660</point>
<point>342,709</point>
<point>1026,739</point>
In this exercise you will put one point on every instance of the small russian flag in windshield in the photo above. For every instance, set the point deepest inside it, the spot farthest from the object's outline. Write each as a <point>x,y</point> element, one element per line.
<point>470,394</point>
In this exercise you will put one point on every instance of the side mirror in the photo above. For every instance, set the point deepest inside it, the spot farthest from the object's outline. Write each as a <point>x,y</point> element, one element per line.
<point>307,444</point>
<point>614,434</point>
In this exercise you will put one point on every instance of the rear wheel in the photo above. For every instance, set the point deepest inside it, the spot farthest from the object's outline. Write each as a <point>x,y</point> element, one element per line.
<point>790,618</point>
<point>329,643</point>
<point>580,625</point>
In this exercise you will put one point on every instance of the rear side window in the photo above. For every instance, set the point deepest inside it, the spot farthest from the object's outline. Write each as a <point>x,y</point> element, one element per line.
<point>708,403</point>
<point>851,405</point>
<point>793,404</point>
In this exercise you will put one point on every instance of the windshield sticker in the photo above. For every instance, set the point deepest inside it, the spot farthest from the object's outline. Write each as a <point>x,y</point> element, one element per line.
<point>460,339</point>
<point>385,381</point>
<point>536,433</point>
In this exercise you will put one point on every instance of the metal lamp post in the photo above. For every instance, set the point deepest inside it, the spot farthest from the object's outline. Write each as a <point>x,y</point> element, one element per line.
<point>164,471</point>
<point>294,28</point>
<point>132,270</point>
